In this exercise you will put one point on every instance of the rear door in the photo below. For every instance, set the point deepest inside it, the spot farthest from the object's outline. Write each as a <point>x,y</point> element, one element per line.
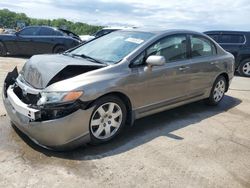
<point>203,64</point>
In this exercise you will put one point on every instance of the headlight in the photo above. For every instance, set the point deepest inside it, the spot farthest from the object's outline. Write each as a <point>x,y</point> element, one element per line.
<point>57,97</point>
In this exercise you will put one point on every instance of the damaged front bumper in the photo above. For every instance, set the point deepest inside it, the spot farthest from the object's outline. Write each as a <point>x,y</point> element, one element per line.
<point>65,132</point>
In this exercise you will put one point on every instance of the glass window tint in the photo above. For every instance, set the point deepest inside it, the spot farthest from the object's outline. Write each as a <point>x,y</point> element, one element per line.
<point>103,32</point>
<point>46,32</point>
<point>58,33</point>
<point>173,48</point>
<point>31,31</point>
<point>99,33</point>
<point>139,60</point>
<point>49,32</point>
<point>201,47</point>
<point>235,39</point>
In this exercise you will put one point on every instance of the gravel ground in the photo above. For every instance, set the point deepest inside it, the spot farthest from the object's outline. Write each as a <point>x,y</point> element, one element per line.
<point>190,146</point>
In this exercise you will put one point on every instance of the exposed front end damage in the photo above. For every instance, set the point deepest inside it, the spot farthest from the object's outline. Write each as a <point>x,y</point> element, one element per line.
<point>56,125</point>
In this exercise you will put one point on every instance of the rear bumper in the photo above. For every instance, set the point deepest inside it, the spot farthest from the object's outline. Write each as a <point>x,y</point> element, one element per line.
<point>63,133</point>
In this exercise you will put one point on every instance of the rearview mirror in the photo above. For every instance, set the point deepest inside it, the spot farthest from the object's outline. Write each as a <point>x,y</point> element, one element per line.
<point>156,60</point>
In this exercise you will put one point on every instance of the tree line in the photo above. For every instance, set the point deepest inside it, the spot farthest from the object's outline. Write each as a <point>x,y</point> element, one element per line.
<point>9,19</point>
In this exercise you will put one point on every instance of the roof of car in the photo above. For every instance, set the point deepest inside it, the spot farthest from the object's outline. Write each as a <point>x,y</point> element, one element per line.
<point>163,31</point>
<point>226,32</point>
<point>55,28</point>
<point>116,28</point>
<point>44,26</point>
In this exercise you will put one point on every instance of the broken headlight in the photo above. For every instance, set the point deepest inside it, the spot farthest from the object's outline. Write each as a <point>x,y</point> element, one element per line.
<point>58,97</point>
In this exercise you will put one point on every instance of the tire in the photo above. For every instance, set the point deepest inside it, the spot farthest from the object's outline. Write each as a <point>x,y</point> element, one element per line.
<point>244,68</point>
<point>105,123</point>
<point>59,49</point>
<point>3,51</point>
<point>218,91</point>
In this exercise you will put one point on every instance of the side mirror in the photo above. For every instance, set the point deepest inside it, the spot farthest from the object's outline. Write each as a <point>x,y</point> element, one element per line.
<point>155,60</point>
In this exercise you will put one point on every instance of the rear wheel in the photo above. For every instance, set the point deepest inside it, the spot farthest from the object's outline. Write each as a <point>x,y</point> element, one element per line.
<point>3,51</point>
<point>217,92</point>
<point>244,68</point>
<point>59,49</point>
<point>107,120</point>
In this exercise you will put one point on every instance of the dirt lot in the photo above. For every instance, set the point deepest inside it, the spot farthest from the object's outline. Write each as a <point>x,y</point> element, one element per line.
<point>191,146</point>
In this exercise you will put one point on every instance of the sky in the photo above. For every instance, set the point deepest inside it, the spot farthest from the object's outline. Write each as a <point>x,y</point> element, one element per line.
<point>199,15</point>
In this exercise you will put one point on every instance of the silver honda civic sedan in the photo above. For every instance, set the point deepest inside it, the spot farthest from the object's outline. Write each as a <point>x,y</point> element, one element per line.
<point>89,93</point>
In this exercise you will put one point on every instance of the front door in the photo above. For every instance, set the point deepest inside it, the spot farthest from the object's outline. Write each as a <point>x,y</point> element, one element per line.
<point>162,85</point>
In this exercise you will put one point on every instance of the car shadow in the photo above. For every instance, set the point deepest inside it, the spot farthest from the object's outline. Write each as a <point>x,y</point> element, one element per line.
<point>144,130</point>
<point>19,56</point>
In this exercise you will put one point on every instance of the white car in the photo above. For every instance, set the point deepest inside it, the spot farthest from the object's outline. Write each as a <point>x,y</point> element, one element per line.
<point>101,32</point>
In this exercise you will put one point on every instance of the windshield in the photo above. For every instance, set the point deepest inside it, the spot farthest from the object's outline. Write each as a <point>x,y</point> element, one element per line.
<point>113,47</point>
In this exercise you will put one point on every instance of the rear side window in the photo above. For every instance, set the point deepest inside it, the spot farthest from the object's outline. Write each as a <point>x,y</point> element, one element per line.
<point>201,46</point>
<point>49,32</point>
<point>233,39</point>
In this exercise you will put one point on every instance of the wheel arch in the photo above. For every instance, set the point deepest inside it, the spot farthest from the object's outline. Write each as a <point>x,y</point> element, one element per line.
<point>130,115</point>
<point>58,44</point>
<point>225,75</point>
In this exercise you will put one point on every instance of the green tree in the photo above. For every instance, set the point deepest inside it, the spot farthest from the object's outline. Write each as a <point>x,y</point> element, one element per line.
<point>9,20</point>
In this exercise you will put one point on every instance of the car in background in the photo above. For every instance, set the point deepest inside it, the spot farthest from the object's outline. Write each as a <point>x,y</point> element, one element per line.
<point>89,93</point>
<point>9,31</point>
<point>37,40</point>
<point>101,32</point>
<point>1,30</point>
<point>238,44</point>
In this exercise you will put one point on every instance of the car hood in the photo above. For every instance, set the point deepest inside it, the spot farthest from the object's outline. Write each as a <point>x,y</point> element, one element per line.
<point>43,70</point>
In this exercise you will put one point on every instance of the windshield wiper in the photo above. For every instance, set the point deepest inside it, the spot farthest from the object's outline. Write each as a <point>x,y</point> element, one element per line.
<point>88,57</point>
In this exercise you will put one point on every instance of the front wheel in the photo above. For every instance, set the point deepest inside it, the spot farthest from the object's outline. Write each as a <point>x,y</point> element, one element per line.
<point>217,92</point>
<point>107,120</point>
<point>59,49</point>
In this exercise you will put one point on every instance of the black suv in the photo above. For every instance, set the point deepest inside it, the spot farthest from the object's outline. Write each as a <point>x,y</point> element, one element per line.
<point>238,44</point>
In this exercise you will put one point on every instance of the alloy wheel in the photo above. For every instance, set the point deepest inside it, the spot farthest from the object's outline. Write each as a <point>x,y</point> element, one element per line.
<point>219,90</point>
<point>246,68</point>
<point>106,120</point>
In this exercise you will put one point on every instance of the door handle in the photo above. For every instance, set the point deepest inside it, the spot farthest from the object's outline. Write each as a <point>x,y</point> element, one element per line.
<point>183,68</point>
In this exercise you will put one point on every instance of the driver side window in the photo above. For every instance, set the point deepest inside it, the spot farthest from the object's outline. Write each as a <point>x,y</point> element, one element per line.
<point>173,48</point>
<point>139,60</point>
